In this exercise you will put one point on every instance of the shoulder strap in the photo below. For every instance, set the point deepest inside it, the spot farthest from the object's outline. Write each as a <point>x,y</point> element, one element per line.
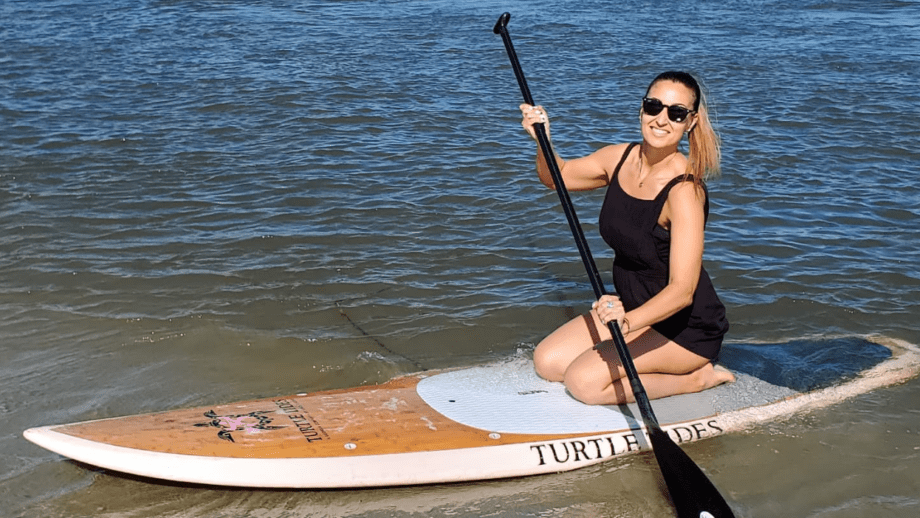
<point>674,181</point>
<point>663,195</point>
<point>616,171</point>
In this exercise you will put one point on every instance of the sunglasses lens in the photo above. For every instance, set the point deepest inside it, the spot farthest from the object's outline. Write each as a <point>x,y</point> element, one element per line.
<point>678,113</point>
<point>652,106</point>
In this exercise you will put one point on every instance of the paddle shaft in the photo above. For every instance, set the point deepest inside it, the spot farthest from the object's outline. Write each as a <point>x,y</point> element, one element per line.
<point>694,496</point>
<point>648,415</point>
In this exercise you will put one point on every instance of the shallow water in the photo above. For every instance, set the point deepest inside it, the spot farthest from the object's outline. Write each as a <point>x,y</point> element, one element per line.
<point>202,202</point>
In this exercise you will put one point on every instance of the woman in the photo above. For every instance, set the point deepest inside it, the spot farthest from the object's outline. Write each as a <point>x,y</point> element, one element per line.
<point>653,217</point>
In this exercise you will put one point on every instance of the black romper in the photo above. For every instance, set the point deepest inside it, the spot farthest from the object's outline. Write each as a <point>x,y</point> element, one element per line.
<point>640,267</point>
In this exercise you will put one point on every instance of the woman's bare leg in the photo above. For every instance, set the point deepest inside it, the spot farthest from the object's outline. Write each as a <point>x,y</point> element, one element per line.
<point>557,351</point>
<point>663,385</point>
<point>665,369</point>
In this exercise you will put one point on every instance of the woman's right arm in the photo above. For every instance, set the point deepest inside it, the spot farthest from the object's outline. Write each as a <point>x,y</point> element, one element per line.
<point>579,174</point>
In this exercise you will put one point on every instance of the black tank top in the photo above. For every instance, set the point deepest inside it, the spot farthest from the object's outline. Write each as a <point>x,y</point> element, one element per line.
<point>641,265</point>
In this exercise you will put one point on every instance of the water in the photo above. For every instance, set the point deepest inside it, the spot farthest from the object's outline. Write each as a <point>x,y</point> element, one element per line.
<point>202,202</point>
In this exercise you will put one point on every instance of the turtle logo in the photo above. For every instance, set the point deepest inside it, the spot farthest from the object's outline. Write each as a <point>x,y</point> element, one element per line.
<point>253,422</point>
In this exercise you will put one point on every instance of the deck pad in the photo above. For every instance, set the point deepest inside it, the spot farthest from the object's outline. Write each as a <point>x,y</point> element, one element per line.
<point>511,398</point>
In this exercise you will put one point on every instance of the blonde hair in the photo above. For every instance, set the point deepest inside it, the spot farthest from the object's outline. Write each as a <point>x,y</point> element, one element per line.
<point>705,147</point>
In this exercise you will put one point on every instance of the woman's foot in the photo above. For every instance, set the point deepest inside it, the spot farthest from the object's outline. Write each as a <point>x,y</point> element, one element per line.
<point>715,375</point>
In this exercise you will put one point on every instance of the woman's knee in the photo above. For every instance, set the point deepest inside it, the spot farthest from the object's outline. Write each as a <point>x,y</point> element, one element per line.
<point>584,388</point>
<point>546,362</point>
<point>553,355</point>
<point>584,392</point>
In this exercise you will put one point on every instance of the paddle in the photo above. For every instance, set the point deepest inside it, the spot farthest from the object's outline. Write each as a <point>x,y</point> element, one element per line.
<point>694,496</point>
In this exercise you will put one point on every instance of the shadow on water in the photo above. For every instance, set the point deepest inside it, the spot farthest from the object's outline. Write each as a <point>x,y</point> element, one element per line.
<point>805,365</point>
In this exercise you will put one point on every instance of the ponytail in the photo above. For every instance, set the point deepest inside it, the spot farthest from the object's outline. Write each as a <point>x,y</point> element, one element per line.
<point>705,153</point>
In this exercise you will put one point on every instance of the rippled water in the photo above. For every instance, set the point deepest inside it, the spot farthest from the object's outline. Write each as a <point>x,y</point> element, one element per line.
<point>209,201</point>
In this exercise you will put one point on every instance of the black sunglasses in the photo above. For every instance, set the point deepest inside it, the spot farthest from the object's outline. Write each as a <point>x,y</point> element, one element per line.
<point>676,113</point>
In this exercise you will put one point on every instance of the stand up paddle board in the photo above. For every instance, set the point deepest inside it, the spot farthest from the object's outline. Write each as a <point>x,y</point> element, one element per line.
<point>485,422</point>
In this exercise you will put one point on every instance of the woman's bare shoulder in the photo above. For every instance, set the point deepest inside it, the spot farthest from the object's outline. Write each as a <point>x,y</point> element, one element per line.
<point>613,150</point>
<point>609,156</point>
<point>686,197</point>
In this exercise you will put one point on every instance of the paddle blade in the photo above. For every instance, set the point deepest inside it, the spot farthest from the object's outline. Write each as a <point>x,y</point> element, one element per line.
<point>694,496</point>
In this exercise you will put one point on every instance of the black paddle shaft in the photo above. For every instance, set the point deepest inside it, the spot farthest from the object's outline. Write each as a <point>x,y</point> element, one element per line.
<point>580,241</point>
<point>694,496</point>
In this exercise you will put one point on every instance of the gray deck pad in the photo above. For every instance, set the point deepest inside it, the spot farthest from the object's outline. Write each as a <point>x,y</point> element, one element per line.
<point>509,397</point>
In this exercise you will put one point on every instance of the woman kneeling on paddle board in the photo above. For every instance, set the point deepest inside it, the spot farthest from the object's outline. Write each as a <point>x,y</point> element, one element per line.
<point>653,217</point>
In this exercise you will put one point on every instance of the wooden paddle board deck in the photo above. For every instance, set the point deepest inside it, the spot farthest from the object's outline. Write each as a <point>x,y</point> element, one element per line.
<point>486,422</point>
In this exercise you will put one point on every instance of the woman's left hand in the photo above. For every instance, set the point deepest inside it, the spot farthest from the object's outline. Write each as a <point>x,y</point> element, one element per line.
<point>608,308</point>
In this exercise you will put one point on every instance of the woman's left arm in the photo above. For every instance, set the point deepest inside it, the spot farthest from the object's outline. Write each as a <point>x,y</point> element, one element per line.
<point>685,208</point>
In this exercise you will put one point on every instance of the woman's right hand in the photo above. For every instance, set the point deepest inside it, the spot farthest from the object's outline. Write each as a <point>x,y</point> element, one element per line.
<point>533,115</point>
<point>609,308</point>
